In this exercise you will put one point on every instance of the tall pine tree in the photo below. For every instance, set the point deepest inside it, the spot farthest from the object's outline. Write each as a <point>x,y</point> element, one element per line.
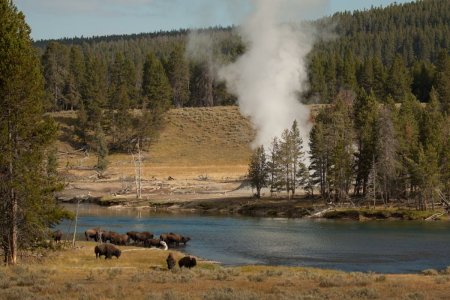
<point>27,205</point>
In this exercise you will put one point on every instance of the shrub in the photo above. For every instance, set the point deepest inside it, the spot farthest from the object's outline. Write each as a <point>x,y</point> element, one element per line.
<point>430,272</point>
<point>229,294</point>
<point>18,293</point>
<point>256,278</point>
<point>113,273</point>
<point>332,281</point>
<point>364,293</point>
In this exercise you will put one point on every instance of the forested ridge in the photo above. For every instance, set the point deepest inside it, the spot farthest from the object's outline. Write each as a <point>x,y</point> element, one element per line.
<point>371,48</point>
<point>376,138</point>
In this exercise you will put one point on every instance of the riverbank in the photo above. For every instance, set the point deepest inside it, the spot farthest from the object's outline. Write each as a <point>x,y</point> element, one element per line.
<point>299,207</point>
<point>142,274</point>
<point>232,196</point>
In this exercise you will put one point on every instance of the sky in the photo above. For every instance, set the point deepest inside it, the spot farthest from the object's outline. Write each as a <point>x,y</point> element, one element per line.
<point>53,19</point>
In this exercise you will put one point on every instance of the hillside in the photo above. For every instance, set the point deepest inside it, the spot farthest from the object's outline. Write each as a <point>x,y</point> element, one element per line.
<point>193,142</point>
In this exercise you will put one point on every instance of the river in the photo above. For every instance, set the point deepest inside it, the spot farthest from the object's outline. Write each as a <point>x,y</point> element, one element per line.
<point>378,246</point>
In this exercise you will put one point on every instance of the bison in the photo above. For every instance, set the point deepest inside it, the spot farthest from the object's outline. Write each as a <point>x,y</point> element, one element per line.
<point>142,236</point>
<point>107,250</point>
<point>57,235</point>
<point>187,262</point>
<point>152,243</point>
<point>171,262</point>
<point>132,235</point>
<point>119,239</point>
<point>173,238</point>
<point>93,233</point>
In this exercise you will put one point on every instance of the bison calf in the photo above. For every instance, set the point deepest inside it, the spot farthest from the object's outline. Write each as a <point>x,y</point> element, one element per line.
<point>187,262</point>
<point>107,250</point>
<point>171,262</point>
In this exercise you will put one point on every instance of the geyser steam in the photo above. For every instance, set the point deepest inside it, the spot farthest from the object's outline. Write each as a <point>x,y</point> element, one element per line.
<point>269,77</point>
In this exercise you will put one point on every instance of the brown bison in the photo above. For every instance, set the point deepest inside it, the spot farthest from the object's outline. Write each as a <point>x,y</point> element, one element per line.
<point>173,238</point>
<point>171,262</point>
<point>132,235</point>
<point>164,237</point>
<point>106,236</point>
<point>57,235</point>
<point>141,237</point>
<point>107,250</point>
<point>93,233</point>
<point>152,243</point>
<point>119,239</point>
<point>187,262</point>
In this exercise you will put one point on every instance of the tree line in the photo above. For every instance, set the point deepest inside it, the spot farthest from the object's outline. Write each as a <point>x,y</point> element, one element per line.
<point>362,148</point>
<point>393,50</point>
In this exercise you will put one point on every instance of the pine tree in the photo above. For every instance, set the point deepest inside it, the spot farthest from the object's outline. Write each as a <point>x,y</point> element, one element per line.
<point>365,116</point>
<point>286,161</point>
<point>387,148</point>
<point>94,91</point>
<point>101,149</point>
<point>298,165</point>
<point>427,172</point>
<point>27,203</point>
<point>442,83</point>
<point>398,83</point>
<point>341,140</point>
<point>178,73</point>
<point>275,172</point>
<point>155,85</point>
<point>56,70</point>
<point>319,153</point>
<point>74,82</point>
<point>258,170</point>
<point>120,90</point>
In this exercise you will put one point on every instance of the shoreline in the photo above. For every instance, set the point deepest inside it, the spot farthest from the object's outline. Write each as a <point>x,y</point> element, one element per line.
<point>272,208</point>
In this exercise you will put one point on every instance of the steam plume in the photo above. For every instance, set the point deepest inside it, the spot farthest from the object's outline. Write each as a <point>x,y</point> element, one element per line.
<point>269,77</point>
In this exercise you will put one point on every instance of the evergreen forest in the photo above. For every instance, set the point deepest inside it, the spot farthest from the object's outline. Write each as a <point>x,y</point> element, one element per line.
<point>385,77</point>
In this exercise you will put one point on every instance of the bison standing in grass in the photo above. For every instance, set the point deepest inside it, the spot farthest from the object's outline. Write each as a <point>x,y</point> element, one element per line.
<point>92,233</point>
<point>187,262</point>
<point>171,262</point>
<point>107,250</point>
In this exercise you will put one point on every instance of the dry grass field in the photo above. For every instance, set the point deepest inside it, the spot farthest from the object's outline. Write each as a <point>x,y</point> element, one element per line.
<point>142,274</point>
<point>213,142</point>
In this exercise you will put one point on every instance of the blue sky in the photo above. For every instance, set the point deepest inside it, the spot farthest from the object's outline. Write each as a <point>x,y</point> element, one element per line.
<point>70,18</point>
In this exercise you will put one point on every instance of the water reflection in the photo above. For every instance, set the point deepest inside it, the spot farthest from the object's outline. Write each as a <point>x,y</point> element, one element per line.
<point>388,247</point>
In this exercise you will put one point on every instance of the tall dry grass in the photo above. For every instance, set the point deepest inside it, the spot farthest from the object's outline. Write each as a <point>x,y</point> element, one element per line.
<point>142,274</point>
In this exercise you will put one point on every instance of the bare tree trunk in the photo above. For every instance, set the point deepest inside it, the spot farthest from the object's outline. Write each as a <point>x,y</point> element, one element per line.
<point>138,171</point>
<point>76,224</point>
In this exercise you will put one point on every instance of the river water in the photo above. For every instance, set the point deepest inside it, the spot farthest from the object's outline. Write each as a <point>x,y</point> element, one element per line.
<point>378,246</point>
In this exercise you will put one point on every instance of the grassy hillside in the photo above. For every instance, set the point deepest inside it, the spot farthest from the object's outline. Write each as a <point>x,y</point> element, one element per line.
<point>213,142</point>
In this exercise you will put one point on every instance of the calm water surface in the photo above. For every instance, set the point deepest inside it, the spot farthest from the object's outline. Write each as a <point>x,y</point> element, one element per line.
<point>387,247</point>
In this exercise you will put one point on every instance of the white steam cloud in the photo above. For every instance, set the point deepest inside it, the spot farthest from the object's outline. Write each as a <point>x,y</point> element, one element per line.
<point>270,76</point>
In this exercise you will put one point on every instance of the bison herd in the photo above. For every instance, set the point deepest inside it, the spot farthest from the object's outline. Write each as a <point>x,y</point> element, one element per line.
<point>145,239</point>
<point>109,239</point>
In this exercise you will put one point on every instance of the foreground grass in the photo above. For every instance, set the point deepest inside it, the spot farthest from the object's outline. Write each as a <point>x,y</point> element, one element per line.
<point>142,274</point>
